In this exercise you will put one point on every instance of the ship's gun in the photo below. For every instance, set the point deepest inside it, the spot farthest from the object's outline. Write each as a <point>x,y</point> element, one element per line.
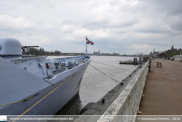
<point>27,47</point>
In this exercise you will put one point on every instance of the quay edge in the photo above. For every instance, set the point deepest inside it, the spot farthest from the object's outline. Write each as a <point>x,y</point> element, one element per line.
<point>124,99</point>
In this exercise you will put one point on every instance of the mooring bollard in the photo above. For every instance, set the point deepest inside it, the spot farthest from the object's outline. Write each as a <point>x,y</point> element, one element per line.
<point>103,100</point>
<point>149,68</point>
<point>135,61</point>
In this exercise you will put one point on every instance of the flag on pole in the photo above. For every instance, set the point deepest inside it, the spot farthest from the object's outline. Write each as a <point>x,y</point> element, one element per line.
<point>89,42</point>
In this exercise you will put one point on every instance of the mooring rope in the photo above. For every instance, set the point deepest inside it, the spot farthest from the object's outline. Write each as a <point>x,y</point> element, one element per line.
<point>104,73</point>
<point>108,65</point>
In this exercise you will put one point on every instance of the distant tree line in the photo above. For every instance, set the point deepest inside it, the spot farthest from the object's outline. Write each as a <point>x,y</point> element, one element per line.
<point>40,51</point>
<point>170,53</point>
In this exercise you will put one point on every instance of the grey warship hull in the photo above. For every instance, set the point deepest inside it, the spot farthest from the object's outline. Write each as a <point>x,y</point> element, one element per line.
<point>23,92</point>
<point>51,103</point>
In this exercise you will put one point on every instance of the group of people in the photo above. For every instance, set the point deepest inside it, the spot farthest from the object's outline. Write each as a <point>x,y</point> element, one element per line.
<point>167,58</point>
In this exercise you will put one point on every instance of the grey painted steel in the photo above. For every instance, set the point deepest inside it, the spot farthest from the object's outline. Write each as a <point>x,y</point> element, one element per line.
<point>30,77</point>
<point>34,65</point>
<point>10,46</point>
<point>16,84</point>
<point>28,85</point>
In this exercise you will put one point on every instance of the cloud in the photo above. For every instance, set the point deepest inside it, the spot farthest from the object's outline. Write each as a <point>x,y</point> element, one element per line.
<point>139,46</point>
<point>39,40</point>
<point>175,23</point>
<point>7,22</point>
<point>167,6</point>
<point>67,28</point>
<point>48,26</point>
<point>122,26</point>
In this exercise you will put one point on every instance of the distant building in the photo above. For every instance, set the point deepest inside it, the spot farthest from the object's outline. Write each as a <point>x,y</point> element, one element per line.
<point>172,48</point>
<point>155,53</point>
<point>106,54</point>
<point>115,53</point>
<point>96,53</point>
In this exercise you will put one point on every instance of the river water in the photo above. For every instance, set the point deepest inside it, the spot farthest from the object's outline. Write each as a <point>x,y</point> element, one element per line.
<point>95,84</point>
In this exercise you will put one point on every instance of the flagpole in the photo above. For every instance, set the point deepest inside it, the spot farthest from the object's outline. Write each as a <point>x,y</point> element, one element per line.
<point>86,45</point>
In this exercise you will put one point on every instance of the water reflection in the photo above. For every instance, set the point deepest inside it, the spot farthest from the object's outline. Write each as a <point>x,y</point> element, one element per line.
<point>71,108</point>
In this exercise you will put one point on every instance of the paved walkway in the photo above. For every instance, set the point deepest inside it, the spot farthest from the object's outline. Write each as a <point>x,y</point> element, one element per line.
<point>163,91</point>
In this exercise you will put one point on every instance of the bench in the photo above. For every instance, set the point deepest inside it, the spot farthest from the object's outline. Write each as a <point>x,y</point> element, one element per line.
<point>159,64</point>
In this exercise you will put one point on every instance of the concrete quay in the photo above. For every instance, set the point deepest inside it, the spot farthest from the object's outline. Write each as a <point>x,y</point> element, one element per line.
<point>163,89</point>
<point>124,99</point>
<point>158,92</point>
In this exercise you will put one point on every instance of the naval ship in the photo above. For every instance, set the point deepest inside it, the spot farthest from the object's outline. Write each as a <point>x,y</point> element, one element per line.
<point>37,85</point>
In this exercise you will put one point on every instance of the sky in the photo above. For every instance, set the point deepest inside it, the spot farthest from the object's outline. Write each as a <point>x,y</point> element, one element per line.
<point>120,26</point>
